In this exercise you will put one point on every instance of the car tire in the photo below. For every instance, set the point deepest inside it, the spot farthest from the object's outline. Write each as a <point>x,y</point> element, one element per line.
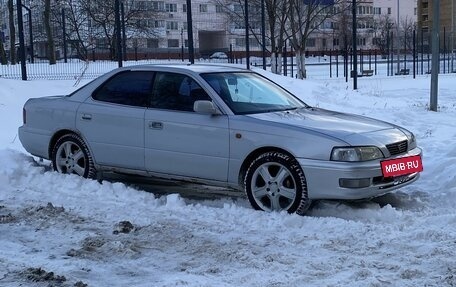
<point>71,155</point>
<point>275,181</point>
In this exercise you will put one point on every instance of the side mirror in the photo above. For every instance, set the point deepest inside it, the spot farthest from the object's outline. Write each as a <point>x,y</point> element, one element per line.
<point>206,108</point>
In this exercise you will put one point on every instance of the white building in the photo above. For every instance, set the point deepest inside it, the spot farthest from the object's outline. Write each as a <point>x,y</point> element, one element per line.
<point>399,10</point>
<point>213,30</point>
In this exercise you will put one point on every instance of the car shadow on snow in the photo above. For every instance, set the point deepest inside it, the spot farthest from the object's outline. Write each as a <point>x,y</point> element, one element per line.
<point>400,200</point>
<point>164,187</point>
<point>159,186</point>
<point>414,200</point>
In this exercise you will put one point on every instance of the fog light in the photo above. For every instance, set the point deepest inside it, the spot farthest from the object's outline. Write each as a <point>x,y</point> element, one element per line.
<point>354,183</point>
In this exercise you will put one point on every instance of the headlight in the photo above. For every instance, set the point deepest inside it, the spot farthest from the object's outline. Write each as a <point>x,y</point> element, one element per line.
<point>363,153</point>
<point>412,141</point>
<point>410,137</point>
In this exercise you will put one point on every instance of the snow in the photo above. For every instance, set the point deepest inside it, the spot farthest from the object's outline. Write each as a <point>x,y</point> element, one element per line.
<point>70,226</point>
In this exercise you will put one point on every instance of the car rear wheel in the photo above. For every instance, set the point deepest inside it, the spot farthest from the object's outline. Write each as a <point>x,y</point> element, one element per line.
<point>275,181</point>
<point>71,155</point>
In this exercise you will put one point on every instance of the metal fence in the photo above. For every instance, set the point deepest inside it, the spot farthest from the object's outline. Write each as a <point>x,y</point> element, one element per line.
<point>76,69</point>
<point>324,64</point>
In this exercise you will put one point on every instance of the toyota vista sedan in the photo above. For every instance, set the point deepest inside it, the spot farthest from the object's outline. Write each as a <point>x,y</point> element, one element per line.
<point>222,126</point>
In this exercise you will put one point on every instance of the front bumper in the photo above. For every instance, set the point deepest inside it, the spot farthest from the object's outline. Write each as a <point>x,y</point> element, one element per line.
<point>324,178</point>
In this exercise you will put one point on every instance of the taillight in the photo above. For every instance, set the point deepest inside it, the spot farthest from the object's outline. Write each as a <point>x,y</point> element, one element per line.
<point>24,116</point>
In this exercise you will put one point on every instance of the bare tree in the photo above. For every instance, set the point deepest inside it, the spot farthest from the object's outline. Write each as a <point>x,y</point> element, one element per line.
<point>306,17</point>
<point>235,16</point>
<point>3,59</point>
<point>101,14</point>
<point>343,24</point>
<point>76,26</point>
<point>138,19</point>
<point>276,23</point>
<point>12,30</point>
<point>49,34</point>
<point>277,20</point>
<point>382,27</point>
<point>407,26</point>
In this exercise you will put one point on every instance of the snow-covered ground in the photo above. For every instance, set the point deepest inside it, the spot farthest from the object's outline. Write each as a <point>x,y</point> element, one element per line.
<point>62,230</point>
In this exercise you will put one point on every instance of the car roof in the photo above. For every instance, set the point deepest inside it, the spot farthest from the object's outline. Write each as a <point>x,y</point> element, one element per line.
<point>195,68</point>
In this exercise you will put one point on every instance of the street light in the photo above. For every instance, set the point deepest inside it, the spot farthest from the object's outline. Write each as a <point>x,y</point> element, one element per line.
<point>247,37</point>
<point>20,26</point>
<point>263,35</point>
<point>118,32</point>
<point>65,55</point>
<point>397,36</point>
<point>30,32</point>
<point>191,51</point>
<point>435,56</point>
<point>124,37</point>
<point>182,44</point>
<point>355,56</point>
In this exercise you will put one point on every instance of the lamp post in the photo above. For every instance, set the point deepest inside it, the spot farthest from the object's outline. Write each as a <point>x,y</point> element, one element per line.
<point>65,56</point>
<point>355,56</point>
<point>182,44</point>
<point>435,55</point>
<point>32,58</point>
<point>191,51</point>
<point>247,37</point>
<point>20,27</point>
<point>397,33</point>
<point>124,37</point>
<point>263,34</point>
<point>118,33</point>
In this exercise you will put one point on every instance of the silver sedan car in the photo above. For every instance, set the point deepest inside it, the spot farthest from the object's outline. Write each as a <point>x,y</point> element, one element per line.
<point>221,126</point>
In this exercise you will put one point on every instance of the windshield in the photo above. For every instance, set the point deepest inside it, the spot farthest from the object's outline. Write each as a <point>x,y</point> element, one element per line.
<point>250,93</point>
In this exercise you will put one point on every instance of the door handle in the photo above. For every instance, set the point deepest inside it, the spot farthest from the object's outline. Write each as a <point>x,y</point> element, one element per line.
<point>86,117</point>
<point>155,125</point>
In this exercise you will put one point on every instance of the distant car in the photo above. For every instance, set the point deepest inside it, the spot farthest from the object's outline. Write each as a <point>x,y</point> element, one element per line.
<point>222,126</point>
<point>218,55</point>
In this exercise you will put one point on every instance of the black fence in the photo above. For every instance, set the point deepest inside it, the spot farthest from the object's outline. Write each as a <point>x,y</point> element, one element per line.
<point>401,56</point>
<point>98,62</point>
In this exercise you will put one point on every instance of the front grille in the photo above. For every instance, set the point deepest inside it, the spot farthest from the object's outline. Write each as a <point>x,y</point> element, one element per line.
<point>397,148</point>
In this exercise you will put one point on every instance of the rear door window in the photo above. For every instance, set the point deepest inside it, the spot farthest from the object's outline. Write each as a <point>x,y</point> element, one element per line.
<point>132,88</point>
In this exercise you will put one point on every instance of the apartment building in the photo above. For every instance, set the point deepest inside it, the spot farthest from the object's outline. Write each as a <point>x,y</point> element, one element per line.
<point>447,15</point>
<point>32,24</point>
<point>332,33</point>
<point>400,11</point>
<point>210,26</point>
<point>214,29</point>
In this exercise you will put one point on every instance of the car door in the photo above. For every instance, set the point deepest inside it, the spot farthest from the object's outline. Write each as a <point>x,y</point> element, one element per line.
<point>112,119</point>
<point>179,141</point>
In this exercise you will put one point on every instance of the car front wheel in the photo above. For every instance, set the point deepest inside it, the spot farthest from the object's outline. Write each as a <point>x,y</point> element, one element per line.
<point>71,155</point>
<point>275,181</point>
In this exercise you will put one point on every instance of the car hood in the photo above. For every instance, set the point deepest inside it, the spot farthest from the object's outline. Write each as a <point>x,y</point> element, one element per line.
<point>347,127</point>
